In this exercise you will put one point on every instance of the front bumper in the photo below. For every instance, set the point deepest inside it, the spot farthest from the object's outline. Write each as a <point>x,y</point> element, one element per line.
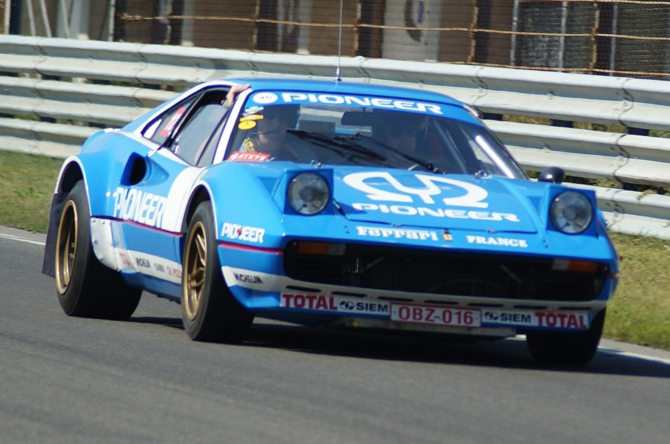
<point>500,295</point>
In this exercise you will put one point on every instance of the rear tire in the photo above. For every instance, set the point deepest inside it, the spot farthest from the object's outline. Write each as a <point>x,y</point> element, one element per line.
<point>209,310</point>
<point>566,349</point>
<point>85,287</point>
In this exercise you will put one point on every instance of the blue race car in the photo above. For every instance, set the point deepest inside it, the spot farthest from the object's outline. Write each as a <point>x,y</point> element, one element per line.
<point>332,205</point>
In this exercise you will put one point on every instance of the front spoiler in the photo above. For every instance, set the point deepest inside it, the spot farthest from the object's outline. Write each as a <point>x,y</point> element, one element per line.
<point>279,297</point>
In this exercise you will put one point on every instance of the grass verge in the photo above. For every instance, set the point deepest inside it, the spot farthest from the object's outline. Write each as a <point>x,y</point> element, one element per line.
<point>26,188</point>
<point>639,312</point>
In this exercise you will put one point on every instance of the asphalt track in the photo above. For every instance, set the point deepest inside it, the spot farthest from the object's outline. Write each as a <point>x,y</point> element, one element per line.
<point>68,380</point>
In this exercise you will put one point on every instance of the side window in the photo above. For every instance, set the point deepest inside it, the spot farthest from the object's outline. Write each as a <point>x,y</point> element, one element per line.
<point>207,155</point>
<point>161,128</point>
<point>202,120</point>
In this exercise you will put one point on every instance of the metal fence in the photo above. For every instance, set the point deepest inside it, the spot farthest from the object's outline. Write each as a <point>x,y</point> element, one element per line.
<point>56,92</point>
<point>606,37</point>
<point>609,37</point>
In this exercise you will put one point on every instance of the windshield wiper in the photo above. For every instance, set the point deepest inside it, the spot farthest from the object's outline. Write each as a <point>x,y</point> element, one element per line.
<point>344,147</point>
<point>420,162</point>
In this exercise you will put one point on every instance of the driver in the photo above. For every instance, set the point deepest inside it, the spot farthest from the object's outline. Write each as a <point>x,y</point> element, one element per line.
<point>267,128</point>
<point>268,135</point>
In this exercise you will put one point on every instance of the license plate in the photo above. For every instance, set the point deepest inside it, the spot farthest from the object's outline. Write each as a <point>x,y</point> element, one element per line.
<point>418,314</point>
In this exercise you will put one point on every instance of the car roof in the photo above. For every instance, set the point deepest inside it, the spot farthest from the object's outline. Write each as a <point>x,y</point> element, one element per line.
<point>346,87</point>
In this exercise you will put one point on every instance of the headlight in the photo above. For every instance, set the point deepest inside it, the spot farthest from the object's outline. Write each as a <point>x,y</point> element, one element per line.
<point>571,212</point>
<point>308,193</point>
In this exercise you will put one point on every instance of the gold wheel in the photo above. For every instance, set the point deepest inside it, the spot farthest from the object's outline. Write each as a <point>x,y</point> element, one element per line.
<point>195,268</point>
<point>66,246</point>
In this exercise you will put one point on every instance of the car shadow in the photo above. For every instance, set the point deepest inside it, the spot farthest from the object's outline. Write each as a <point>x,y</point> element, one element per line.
<point>166,321</point>
<point>508,353</point>
<point>424,348</point>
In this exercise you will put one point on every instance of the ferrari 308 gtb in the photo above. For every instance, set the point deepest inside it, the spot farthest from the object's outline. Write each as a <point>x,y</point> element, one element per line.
<point>331,205</point>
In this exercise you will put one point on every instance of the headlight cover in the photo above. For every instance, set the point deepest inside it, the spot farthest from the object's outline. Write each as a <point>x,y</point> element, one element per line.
<point>308,193</point>
<point>571,212</point>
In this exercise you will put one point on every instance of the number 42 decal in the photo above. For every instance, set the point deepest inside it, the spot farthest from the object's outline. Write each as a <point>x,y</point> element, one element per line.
<point>473,197</point>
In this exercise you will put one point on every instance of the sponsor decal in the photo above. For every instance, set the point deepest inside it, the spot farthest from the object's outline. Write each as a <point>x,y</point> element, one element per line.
<point>139,206</point>
<point>334,303</point>
<point>123,257</point>
<point>363,307</point>
<point>155,266</point>
<point>141,262</point>
<point>432,186</point>
<point>248,278</point>
<point>497,241</point>
<point>309,301</point>
<point>265,98</point>
<point>511,318</point>
<point>575,321</point>
<point>395,233</point>
<point>243,233</point>
<point>252,111</point>
<point>562,320</point>
<point>246,125</point>
<point>342,99</point>
<point>407,210</point>
<point>251,117</point>
<point>173,272</point>
<point>240,156</point>
<point>173,120</point>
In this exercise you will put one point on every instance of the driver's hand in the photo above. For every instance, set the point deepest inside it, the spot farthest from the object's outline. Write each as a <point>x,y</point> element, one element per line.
<point>234,91</point>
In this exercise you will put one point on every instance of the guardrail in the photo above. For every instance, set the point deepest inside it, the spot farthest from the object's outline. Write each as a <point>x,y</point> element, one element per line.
<point>64,90</point>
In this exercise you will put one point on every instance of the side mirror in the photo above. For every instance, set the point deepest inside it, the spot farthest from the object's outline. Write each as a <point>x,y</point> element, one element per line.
<point>552,174</point>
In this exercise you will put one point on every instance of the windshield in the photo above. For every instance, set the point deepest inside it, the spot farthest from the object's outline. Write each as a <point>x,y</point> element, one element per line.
<point>408,135</point>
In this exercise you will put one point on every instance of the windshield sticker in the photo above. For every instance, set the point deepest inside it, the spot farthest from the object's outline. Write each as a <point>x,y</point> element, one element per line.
<point>251,117</point>
<point>245,156</point>
<point>252,111</point>
<point>265,98</point>
<point>246,125</point>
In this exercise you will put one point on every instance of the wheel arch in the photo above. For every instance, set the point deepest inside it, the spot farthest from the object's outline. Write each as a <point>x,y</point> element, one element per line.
<point>71,173</point>
<point>200,194</point>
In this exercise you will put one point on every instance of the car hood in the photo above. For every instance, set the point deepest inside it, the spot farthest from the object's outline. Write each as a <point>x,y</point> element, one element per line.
<point>452,202</point>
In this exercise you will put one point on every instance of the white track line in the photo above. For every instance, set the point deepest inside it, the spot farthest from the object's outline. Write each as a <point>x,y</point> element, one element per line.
<point>612,352</point>
<point>22,239</point>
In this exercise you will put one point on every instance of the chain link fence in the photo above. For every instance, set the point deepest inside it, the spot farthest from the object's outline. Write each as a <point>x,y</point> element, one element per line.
<point>607,37</point>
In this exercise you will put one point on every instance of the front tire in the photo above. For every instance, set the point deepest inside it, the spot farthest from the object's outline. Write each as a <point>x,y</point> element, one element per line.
<point>85,287</point>
<point>566,349</point>
<point>209,310</point>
